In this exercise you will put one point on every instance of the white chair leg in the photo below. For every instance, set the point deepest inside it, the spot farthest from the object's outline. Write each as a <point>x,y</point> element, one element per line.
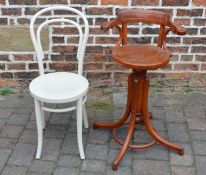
<point>85,119</point>
<point>39,128</point>
<point>79,129</point>
<point>42,116</point>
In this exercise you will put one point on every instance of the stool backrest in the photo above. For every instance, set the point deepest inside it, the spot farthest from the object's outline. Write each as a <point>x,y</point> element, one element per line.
<point>36,34</point>
<point>126,16</point>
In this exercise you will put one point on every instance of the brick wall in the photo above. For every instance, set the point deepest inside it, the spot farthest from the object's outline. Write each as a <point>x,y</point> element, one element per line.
<point>18,61</point>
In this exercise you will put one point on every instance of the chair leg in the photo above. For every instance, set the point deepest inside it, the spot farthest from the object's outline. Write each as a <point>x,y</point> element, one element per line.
<point>79,128</point>
<point>127,141</point>
<point>39,128</point>
<point>85,119</point>
<point>148,123</point>
<point>43,116</point>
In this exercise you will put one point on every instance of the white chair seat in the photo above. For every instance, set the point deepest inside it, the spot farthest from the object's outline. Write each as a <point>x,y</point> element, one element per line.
<point>59,87</point>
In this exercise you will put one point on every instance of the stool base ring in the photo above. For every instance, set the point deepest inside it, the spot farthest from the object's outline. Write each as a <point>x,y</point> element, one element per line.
<point>144,146</point>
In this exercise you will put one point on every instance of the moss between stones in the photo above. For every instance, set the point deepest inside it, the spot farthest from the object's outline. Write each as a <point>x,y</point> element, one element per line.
<point>19,92</point>
<point>101,106</point>
<point>6,92</point>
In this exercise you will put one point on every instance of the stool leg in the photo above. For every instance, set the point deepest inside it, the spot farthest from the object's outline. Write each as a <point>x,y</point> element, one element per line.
<point>124,147</point>
<point>135,108</point>
<point>149,126</point>
<point>126,114</point>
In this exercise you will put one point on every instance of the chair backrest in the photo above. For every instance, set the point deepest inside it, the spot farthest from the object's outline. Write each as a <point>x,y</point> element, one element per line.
<point>126,16</point>
<point>83,35</point>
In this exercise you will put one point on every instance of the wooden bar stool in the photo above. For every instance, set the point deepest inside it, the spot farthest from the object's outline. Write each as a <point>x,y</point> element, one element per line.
<point>139,58</point>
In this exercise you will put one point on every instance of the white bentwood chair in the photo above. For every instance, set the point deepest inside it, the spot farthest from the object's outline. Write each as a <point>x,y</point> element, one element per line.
<point>59,87</point>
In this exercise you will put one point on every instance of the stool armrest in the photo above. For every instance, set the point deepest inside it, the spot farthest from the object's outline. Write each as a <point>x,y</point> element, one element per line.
<point>105,26</point>
<point>178,29</point>
<point>174,27</point>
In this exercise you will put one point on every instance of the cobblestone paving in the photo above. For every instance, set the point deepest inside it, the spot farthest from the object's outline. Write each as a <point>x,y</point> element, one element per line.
<point>179,116</point>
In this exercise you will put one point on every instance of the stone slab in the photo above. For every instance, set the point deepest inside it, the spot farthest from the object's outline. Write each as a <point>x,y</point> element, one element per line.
<point>18,39</point>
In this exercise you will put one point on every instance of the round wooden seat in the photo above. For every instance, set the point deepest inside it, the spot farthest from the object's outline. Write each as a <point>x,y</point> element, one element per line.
<point>141,56</point>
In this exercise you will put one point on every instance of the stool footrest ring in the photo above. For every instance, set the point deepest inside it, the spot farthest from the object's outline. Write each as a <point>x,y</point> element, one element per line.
<point>143,146</point>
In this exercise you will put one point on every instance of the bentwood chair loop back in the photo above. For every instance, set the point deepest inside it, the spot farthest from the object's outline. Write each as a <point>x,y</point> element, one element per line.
<point>59,87</point>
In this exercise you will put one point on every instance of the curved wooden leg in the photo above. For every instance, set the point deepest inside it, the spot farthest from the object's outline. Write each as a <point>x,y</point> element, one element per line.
<point>149,126</point>
<point>112,124</point>
<point>140,120</point>
<point>126,114</point>
<point>135,108</point>
<point>126,143</point>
